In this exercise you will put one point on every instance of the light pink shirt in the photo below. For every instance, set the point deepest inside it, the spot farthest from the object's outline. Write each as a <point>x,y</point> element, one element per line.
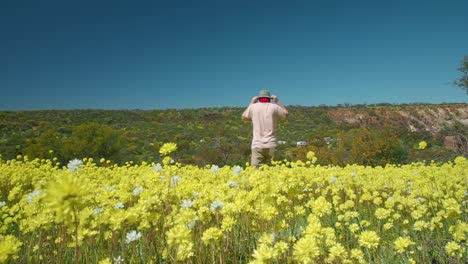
<point>264,116</point>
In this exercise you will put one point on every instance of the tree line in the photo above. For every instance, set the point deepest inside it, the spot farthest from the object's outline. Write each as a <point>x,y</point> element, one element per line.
<point>213,136</point>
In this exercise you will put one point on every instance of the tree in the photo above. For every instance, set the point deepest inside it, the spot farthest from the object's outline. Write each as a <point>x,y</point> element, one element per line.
<point>462,82</point>
<point>41,146</point>
<point>92,140</point>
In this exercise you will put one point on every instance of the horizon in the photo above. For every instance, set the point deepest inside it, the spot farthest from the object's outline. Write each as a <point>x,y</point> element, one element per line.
<point>345,105</point>
<point>185,55</point>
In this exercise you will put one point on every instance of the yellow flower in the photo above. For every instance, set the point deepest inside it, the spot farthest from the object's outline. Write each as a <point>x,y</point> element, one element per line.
<point>311,156</point>
<point>167,160</point>
<point>420,225</point>
<point>388,225</point>
<point>314,227</point>
<point>451,206</point>
<point>228,223</point>
<point>280,247</point>
<point>365,223</point>
<point>321,206</point>
<point>306,250</point>
<point>452,248</point>
<point>460,160</point>
<point>67,196</point>
<point>263,254</point>
<point>366,197</point>
<point>459,231</point>
<point>402,243</point>
<point>358,255</point>
<point>212,234</point>
<point>436,222</point>
<point>350,215</point>
<point>382,213</point>
<point>179,240</point>
<point>422,145</point>
<point>330,237</point>
<point>353,227</point>
<point>266,239</point>
<point>9,246</point>
<point>369,239</point>
<point>105,261</point>
<point>337,252</point>
<point>168,148</point>
<point>378,200</point>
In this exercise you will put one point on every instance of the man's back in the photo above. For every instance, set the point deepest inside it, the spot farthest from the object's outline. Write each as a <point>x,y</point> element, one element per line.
<point>264,116</point>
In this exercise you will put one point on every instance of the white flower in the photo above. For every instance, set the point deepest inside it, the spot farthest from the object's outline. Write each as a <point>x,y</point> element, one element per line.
<point>390,198</point>
<point>175,179</point>
<point>332,179</point>
<point>214,168</point>
<point>2,203</point>
<point>132,236</point>
<point>137,190</point>
<point>466,193</point>
<point>232,184</point>
<point>195,195</point>
<point>191,224</point>
<point>216,205</point>
<point>119,205</point>
<point>237,169</point>
<point>109,189</point>
<point>157,168</point>
<point>98,210</point>
<point>75,164</point>
<point>118,260</point>
<point>186,204</point>
<point>353,174</point>
<point>34,194</point>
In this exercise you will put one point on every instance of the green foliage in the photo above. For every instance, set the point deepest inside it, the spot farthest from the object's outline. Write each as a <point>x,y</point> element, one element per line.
<point>94,140</point>
<point>357,146</point>
<point>48,144</point>
<point>462,82</point>
<point>219,136</point>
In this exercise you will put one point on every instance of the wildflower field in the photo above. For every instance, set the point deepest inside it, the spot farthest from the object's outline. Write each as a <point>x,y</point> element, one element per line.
<point>291,212</point>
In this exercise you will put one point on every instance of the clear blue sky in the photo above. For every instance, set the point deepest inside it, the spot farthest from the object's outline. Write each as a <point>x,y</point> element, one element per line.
<point>190,54</point>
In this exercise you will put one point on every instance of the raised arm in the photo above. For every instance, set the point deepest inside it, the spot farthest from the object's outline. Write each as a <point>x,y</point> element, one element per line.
<point>245,115</point>
<point>277,101</point>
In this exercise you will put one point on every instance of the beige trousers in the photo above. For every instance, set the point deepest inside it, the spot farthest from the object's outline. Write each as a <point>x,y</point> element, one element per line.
<point>262,156</point>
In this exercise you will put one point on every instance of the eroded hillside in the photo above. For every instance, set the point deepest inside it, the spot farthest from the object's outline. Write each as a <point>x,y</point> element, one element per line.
<point>430,118</point>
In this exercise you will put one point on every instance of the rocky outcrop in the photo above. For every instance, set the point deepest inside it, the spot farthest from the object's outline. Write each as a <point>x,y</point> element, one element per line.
<point>431,118</point>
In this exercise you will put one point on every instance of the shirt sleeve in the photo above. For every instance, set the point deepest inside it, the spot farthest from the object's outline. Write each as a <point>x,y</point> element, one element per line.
<point>280,112</point>
<point>247,113</point>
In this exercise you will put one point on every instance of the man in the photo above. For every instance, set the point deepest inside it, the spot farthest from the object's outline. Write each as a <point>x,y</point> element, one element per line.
<point>264,115</point>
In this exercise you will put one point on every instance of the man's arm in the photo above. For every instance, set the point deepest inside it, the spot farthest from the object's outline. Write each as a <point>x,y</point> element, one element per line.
<point>276,100</point>
<point>245,115</point>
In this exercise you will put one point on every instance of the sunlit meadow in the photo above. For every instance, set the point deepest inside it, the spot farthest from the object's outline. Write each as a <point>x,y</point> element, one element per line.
<point>90,211</point>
